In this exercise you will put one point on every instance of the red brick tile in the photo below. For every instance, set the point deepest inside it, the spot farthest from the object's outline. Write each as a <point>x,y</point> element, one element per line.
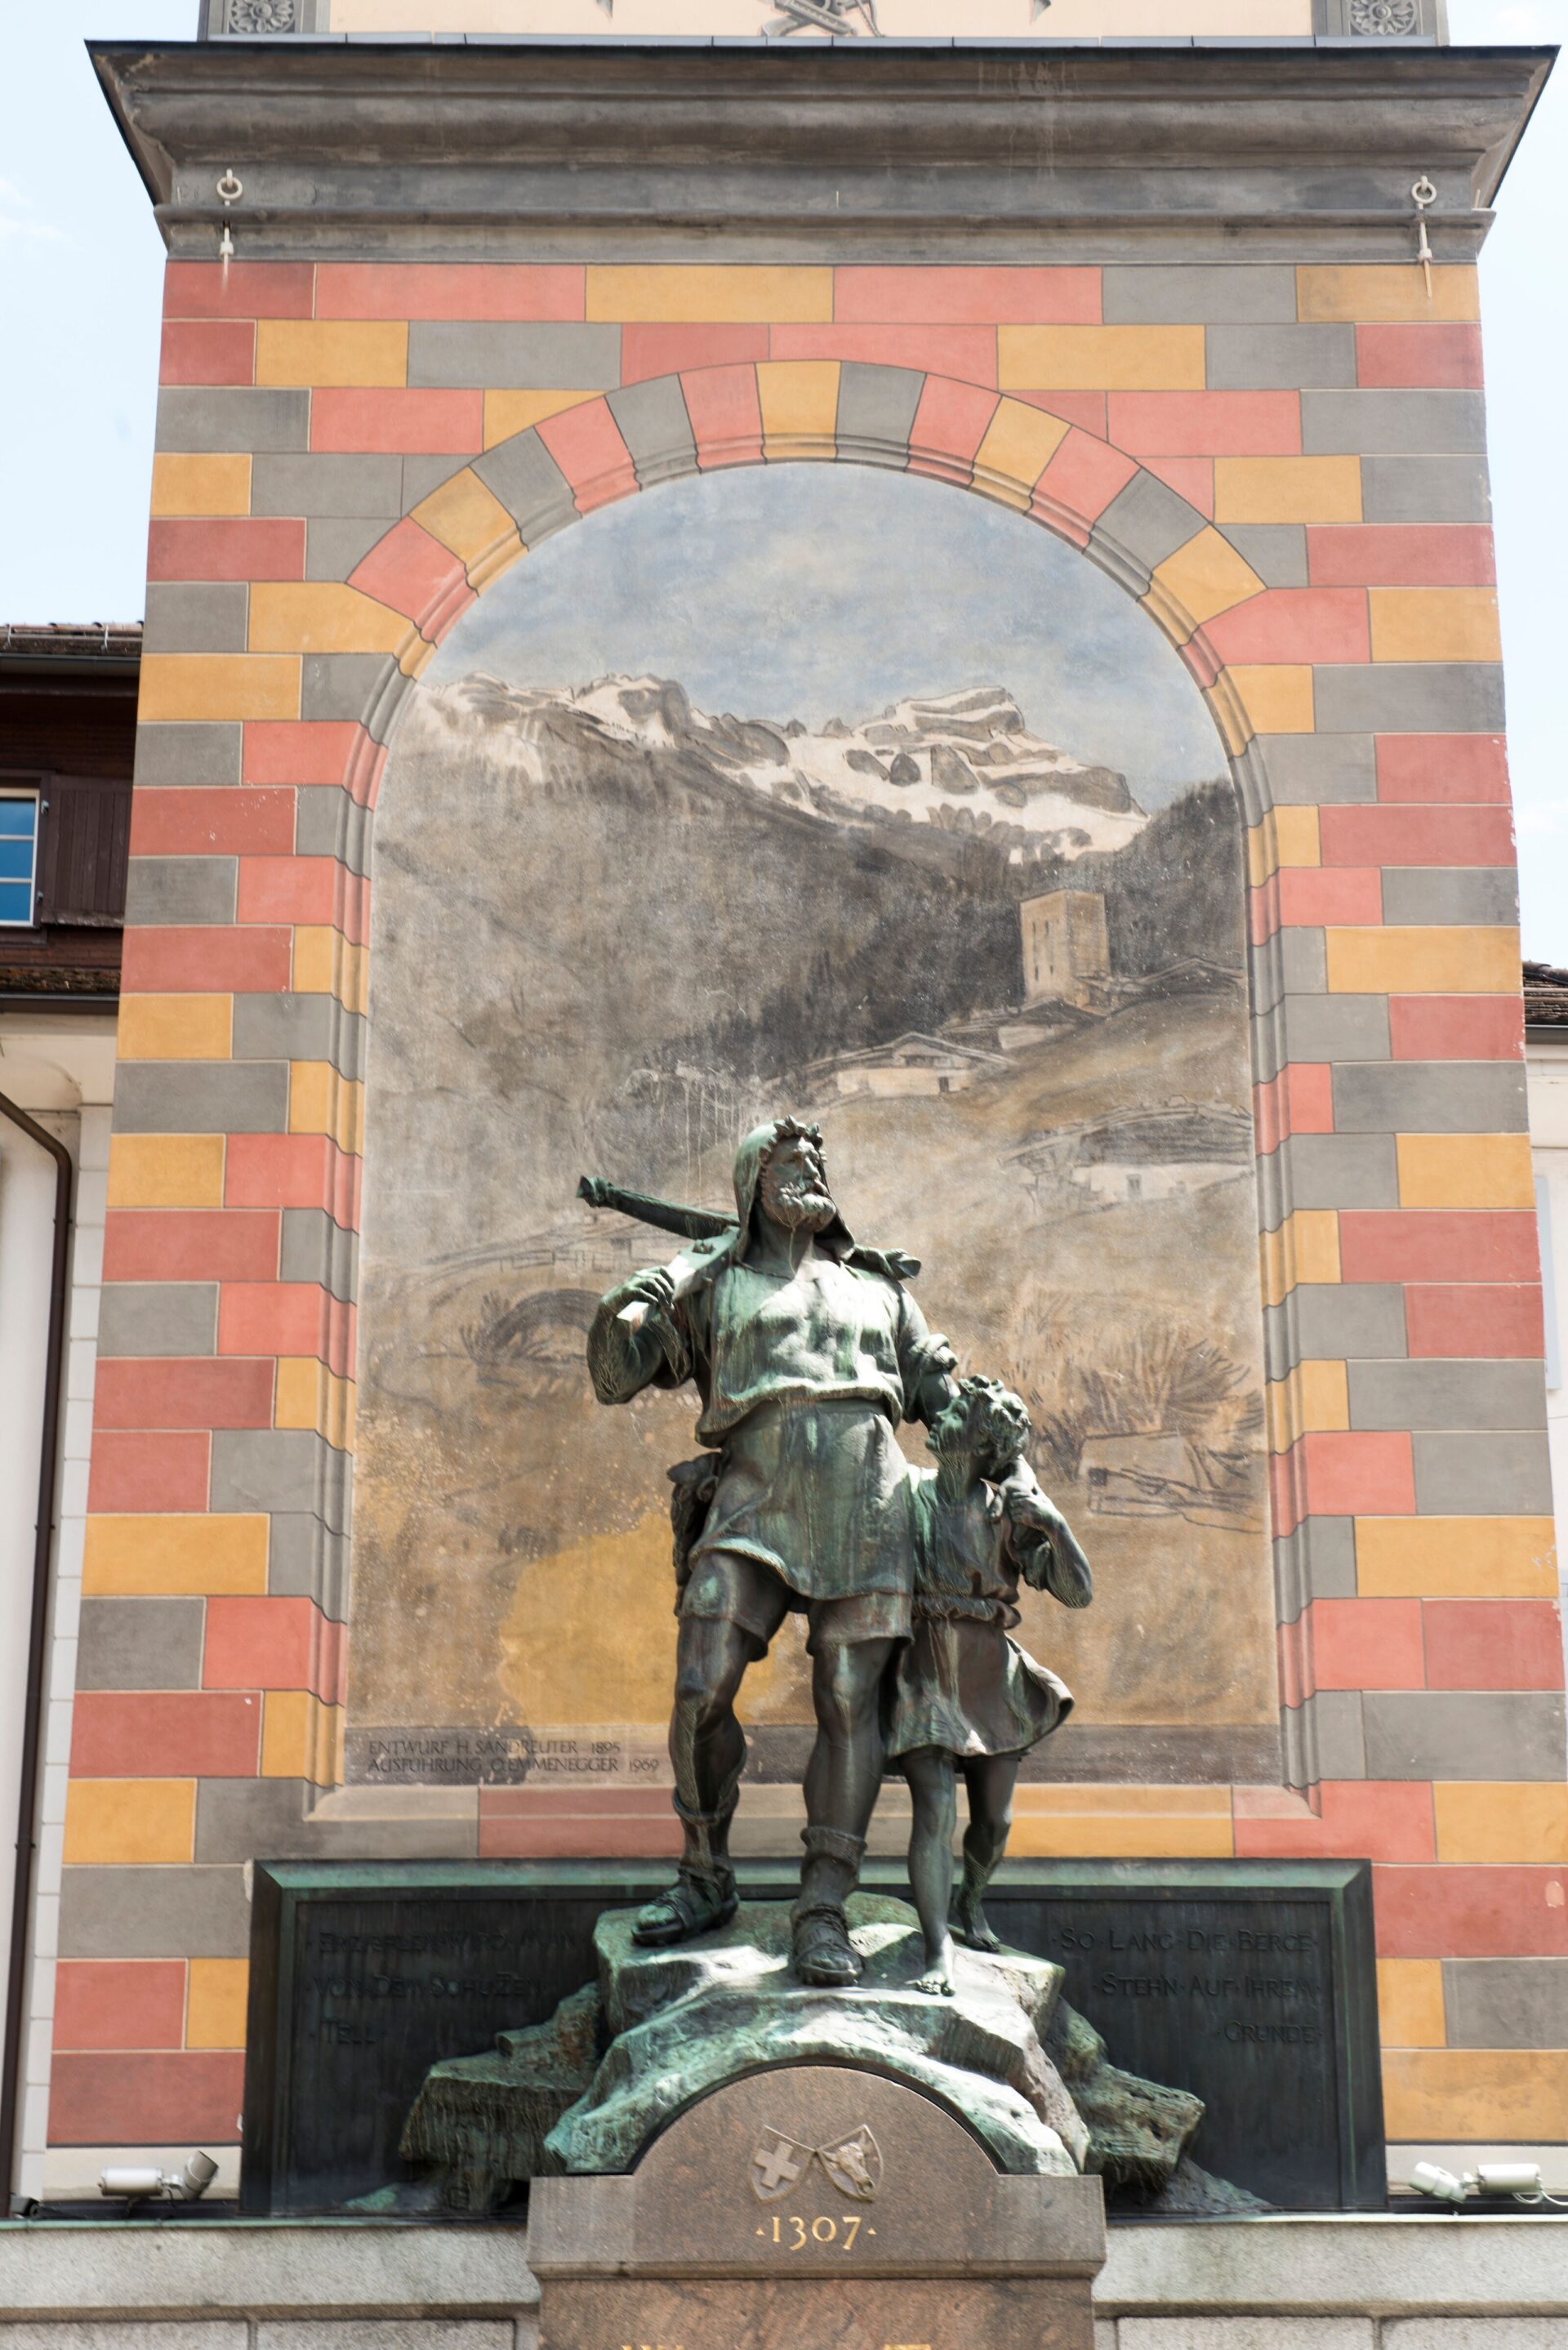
<point>1365,1644</point>
<point>1437,1244</point>
<point>967,352</point>
<point>654,351</point>
<point>1455,1027</point>
<point>208,351</point>
<point>192,2098</point>
<point>217,961</point>
<point>291,889</point>
<point>1303,896</point>
<point>1084,409</point>
<point>1192,478</point>
<point>390,421</point>
<point>1456,834</point>
<point>1084,476</point>
<point>227,821</point>
<point>273,1644</point>
<point>1343,1474</point>
<point>950,425</point>
<point>726,415</point>
<point>133,1471</point>
<point>291,1171</point>
<point>1354,554</point>
<point>1471,1913</point>
<point>241,547</point>
<point>1294,624</point>
<point>987,297</point>
<point>190,1244</point>
<point>631,1823</point>
<point>165,1734</point>
<point>1207,423</point>
<point>119,2003</point>
<point>417,576</point>
<point>300,751</point>
<point>1300,1100</point>
<point>586,443</point>
<point>1434,767</point>
<point>285,1318</point>
<point>168,1392</point>
<point>1361,1819</point>
<point>1394,357</point>
<point>246,289</point>
<point>444,289</point>
<point>1493,1644</point>
<point>1479,1320</point>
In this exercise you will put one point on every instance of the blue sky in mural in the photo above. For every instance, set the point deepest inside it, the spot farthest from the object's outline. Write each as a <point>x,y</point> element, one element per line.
<point>817,591</point>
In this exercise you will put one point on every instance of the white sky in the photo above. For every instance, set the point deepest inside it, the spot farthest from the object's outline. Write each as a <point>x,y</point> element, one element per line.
<point>80,263</point>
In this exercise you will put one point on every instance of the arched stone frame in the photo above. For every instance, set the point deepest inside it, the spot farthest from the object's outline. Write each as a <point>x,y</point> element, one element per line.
<point>420,578</point>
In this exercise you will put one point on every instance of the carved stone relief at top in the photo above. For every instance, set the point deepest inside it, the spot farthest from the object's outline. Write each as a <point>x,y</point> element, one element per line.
<point>1385,19</point>
<point>262,16</point>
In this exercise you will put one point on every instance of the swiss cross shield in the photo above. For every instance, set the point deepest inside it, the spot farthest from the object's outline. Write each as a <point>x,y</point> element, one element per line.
<point>777,2163</point>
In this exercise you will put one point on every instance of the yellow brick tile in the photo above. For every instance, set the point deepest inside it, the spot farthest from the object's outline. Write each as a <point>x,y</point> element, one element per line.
<point>301,1738</point>
<point>1100,358</point>
<point>740,294</point>
<point>1287,836</point>
<point>1277,699</point>
<point>216,1556</point>
<point>215,1995</point>
<point>320,1101</point>
<point>1201,580</point>
<point>175,1027</point>
<point>177,688</point>
<point>1410,2012</point>
<point>1455,1558</point>
<point>325,964</point>
<point>1500,2094</point>
<point>1306,1247</point>
<point>166,1170</point>
<point>329,351</point>
<point>323,616</point>
<point>468,518</point>
<point>799,400</point>
<point>133,1822</point>
<point>1463,960</point>
<point>1020,442</point>
<point>1385,290</point>
<point>1434,624</point>
<point>1197,1832</point>
<point>506,412</point>
<point>1465,1170</point>
<point>1287,489</point>
<point>1070,1801</point>
<point>1314,1395</point>
<point>1501,1823</point>
<point>212,485</point>
<point>310,1396</point>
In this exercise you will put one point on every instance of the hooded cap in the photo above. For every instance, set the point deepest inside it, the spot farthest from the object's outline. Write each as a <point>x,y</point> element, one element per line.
<point>750,1160</point>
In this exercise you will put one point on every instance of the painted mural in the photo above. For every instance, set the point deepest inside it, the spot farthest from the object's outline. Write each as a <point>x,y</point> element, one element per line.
<point>831,791</point>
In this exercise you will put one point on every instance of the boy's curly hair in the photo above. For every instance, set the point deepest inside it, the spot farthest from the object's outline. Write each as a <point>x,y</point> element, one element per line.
<point>996,1424</point>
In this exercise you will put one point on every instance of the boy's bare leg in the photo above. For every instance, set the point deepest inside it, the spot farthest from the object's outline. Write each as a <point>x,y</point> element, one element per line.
<point>933,1793</point>
<point>990,1784</point>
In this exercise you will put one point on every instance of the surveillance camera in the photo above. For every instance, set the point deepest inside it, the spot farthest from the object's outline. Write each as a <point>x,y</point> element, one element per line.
<point>1441,2185</point>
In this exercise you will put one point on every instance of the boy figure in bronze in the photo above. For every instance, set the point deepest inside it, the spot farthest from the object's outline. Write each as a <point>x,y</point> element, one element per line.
<point>963,1695</point>
<point>807,1352</point>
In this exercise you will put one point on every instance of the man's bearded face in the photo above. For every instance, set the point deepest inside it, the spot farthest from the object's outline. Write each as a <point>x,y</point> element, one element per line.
<point>795,1191</point>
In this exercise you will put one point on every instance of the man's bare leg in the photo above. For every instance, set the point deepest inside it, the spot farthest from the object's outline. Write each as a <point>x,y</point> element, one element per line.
<point>842,1781</point>
<point>708,1750</point>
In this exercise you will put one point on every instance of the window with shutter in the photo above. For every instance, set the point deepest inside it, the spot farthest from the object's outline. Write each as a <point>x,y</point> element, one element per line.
<point>84,835</point>
<point>18,855</point>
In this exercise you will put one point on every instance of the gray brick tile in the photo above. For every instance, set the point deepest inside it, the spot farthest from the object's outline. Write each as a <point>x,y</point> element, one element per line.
<point>1392,423</point>
<point>141,1644</point>
<point>158,1317</point>
<point>1425,489</point>
<point>201,1098</point>
<point>877,410</point>
<point>1481,893</point>
<point>1430,1097</point>
<point>425,471</point>
<point>1335,1322</point>
<point>119,2333</point>
<point>525,358</point>
<point>1432,1395</point>
<point>1316,1562</point>
<point>1276,551</point>
<point>1324,1738</point>
<point>384,2333</point>
<point>1309,770</point>
<point>315,1249</point>
<point>530,485</point>
<point>1486,1476</point>
<point>1187,293</point>
<point>1410,698</point>
<point>1291,962</point>
<point>1463,1734</point>
<point>209,616</point>
<point>1258,2333</point>
<point>298,1028</point>
<point>1506,2002</point>
<point>236,1818</point>
<point>181,890</point>
<point>652,421</point>
<point>155,1913</point>
<point>361,687</point>
<point>279,1469</point>
<point>230,417</point>
<point>1143,524</point>
<point>184,757</point>
<point>1317,1028</point>
<point>1339,1171</point>
<point>1280,357</point>
<point>327,486</point>
<point>334,544</point>
<point>305,1562</point>
<point>328,822</point>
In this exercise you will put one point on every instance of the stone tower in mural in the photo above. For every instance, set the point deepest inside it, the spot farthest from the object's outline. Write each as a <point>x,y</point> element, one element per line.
<point>1065,945</point>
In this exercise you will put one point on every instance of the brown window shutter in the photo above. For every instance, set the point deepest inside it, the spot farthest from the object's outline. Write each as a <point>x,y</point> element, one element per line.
<point>84,833</point>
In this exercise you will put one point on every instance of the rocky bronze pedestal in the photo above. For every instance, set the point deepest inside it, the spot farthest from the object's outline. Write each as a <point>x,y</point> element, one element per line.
<point>816,2207</point>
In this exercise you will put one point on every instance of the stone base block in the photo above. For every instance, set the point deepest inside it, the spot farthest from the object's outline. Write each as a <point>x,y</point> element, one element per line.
<point>820,2314</point>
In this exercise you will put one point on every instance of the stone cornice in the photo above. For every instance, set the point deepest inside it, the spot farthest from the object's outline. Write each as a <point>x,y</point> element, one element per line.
<point>711,151</point>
